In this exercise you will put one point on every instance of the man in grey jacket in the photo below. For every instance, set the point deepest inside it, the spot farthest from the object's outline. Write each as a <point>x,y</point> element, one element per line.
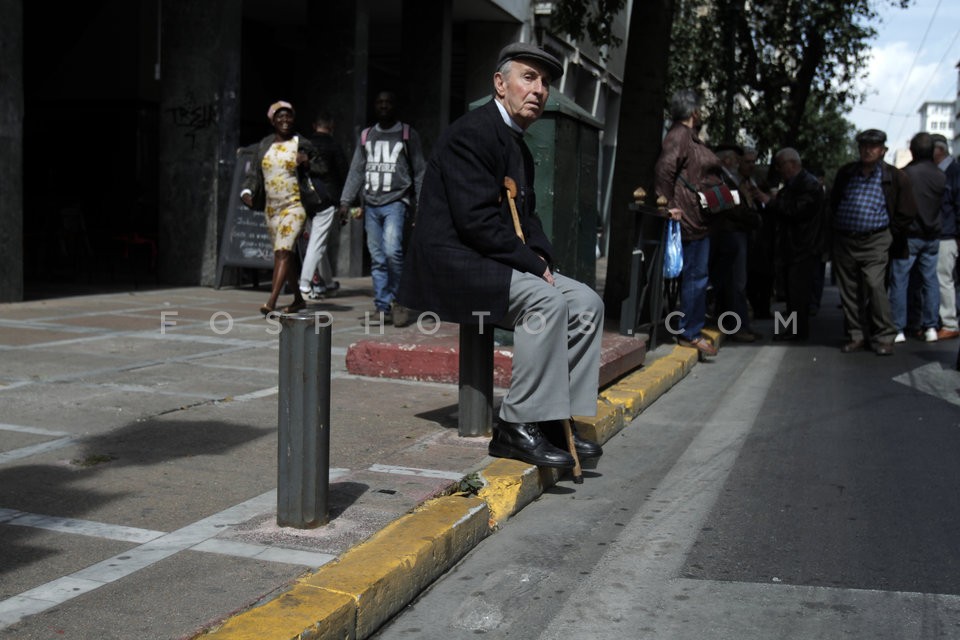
<point>388,166</point>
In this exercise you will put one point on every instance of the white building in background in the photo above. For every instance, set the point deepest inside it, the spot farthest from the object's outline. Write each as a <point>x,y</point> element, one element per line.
<point>935,117</point>
<point>938,117</point>
<point>956,111</point>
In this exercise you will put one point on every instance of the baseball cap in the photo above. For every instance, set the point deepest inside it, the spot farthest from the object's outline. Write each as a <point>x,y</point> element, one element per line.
<point>527,51</point>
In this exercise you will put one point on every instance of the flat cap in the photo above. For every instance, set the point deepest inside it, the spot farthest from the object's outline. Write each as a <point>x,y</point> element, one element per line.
<point>871,136</point>
<point>729,146</point>
<point>527,51</point>
<point>940,140</point>
<point>277,106</point>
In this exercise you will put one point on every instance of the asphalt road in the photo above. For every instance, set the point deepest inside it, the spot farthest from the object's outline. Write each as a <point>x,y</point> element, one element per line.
<point>780,491</point>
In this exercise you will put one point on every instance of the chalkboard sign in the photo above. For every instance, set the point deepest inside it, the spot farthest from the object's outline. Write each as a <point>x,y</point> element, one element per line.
<point>246,241</point>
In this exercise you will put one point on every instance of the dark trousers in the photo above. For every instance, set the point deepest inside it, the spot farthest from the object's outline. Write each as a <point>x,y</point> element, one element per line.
<point>728,273</point>
<point>760,267</point>
<point>799,283</point>
<point>860,264</point>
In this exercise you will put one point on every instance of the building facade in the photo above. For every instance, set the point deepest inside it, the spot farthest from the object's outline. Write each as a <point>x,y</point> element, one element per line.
<point>938,117</point>
<point>121,120</point>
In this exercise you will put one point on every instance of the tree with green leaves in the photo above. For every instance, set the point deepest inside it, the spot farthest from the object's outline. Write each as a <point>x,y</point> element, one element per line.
<point>777,72</point>
<point>774,72</point>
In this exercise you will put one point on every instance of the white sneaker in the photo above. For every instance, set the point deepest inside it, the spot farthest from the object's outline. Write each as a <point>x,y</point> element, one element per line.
<point>929,334</point>
<point>900,337</point>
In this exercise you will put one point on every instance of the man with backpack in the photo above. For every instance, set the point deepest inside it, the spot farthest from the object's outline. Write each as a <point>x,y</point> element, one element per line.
<point>388,166</point>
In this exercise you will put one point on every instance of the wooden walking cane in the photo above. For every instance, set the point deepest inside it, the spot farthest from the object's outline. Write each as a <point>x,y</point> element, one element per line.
<point>568,432</point>
<point>511,186</point>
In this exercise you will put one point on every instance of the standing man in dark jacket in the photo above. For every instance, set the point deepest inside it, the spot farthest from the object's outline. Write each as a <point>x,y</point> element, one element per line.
<point>328,184</point>
<point>728,251</point>
<point>923,242</point>
<point>871,207</point>
<point>949,231</point>
<point>798,208</point>
<point>479,256</point>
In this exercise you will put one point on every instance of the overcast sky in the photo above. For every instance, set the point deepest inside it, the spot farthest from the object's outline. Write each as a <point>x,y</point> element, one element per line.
<point>906,69</point>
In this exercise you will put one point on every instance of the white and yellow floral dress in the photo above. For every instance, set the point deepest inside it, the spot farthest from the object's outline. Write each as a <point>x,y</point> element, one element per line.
<point>284,211</point>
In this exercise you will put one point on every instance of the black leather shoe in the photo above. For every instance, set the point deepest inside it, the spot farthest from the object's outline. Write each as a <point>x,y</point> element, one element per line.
<point>883,349</point>
<point>854,345</point>
<point>553,430</point>
<point>524,441</point>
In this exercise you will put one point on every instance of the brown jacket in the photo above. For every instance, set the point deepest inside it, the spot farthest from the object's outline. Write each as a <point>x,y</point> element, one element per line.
<point>683,154</point>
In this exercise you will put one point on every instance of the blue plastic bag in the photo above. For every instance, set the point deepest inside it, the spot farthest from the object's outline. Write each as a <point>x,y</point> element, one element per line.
<point>673,257</point>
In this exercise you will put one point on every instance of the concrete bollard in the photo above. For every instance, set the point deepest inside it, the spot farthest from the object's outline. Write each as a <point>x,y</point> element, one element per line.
<point>303,451</point>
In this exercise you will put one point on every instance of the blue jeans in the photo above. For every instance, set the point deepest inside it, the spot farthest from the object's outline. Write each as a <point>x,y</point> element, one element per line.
<point>384,227</point>
<point>923,254</point>
<point>693,287</point>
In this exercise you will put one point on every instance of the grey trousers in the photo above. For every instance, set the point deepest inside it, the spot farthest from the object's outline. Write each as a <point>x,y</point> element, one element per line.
<point>946,274</point>
<point>556,349</point>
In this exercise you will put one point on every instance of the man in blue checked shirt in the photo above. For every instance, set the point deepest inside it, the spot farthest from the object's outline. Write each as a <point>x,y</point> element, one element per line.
<point>871,207</point>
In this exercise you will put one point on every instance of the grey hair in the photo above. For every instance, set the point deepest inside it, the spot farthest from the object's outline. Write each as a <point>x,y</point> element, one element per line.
<point>683,104</point>
<point>503,70</point>
<point>788,153</point>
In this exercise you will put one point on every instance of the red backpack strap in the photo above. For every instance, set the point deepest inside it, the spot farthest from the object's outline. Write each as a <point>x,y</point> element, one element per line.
<point>363,136</point>
<point>406,132</point>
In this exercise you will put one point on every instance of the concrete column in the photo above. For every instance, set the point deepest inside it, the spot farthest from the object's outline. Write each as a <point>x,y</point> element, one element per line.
<point>199,129</point>
<point>427,50</point>
<point>11,151</point>
<point>342,43</point>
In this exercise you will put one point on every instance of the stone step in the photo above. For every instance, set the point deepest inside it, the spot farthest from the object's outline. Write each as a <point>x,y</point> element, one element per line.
<point>413,354</point>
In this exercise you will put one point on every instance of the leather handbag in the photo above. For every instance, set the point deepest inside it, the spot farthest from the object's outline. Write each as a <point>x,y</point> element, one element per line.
<point>715,199</point>
<point>311,200</point>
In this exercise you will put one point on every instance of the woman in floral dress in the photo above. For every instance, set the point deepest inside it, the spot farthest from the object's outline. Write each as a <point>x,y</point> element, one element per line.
<point>274,188</point>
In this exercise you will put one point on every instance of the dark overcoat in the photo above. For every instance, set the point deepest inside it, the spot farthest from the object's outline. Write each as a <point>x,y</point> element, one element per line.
<point>800,210</point>
<point>464,249</point>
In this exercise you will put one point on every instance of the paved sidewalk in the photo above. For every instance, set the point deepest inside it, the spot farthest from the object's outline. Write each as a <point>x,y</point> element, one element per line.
<point>138,472</point>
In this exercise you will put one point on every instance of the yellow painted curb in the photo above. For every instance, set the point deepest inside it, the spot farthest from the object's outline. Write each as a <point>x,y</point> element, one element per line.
<point>603,426</point>
<point>352,597</point>
<point>510,485</point>
<point>302,612</point>
<point>638,390</point>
